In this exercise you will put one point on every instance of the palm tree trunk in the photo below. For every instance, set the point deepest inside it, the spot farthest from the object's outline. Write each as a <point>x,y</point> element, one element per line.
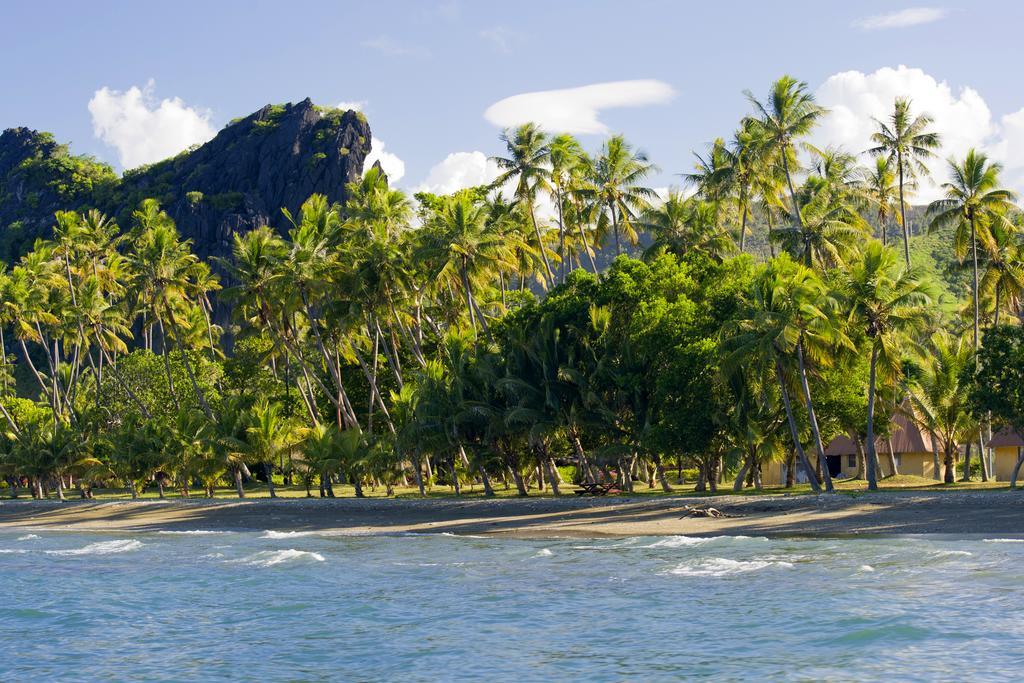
<point>743,230</point>
<point>903,212</point>
<point>238,482</point>
<point>966,476</point>
<point>737,484</point>
<point>540,245</point>
<point>268,469</point>
<point>615,230</point>
<point>1016,467</point>
<point>974,260</point>
<point>813,419</point>
<point>792,191</point>
<point>937,475</point>
<point>586,247</point>
<point>949,476</point>
<point>561,238</point>
<point>794,433</point>
<point>872,463</point>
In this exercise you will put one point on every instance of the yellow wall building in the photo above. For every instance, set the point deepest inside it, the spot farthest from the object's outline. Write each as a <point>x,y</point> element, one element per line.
<point>911,446</point>
<point>1006,446</point>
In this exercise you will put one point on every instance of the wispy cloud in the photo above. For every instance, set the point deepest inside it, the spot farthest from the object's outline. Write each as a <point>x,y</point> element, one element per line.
<point>394,48</point>
<point>500,38</point>
<point>576,110</point>
<point>912,16</point>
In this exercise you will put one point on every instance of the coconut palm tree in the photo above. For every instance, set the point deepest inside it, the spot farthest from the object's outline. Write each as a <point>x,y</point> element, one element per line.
<point>783,327</point>
<point>788,114</point>
<point>468,246</point>
<point>880,192</point>
<point>565,157</point>
<point>940,399</point>
<point>616,187</point>
<point>974,204</point>
<point>905,140</point>
<point>527,165</point>
<point>1002,283</point>
<point>683,226</point>
<point>826,235</point>
<point>891,305</point>
<point>268,434</point>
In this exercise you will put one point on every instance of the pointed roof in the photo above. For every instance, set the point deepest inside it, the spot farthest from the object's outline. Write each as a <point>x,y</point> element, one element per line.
<point>1006,437</point>
<point>906,437</point>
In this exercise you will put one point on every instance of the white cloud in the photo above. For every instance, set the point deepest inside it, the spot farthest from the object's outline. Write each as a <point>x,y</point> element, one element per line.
<point>576,110</point>
<point>143,130</point>
<point>1010,149</point>
<point>854,98</point>
<point>394,48</point>
<point>459,170</point>
<point>356,105</point>
<point>912,16</point>
<point>392,164</point>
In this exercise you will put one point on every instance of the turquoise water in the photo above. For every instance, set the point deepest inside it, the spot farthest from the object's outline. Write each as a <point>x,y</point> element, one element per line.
<point>297,606</point>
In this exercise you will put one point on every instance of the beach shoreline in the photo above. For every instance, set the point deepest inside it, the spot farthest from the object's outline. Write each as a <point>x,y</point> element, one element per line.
<point>885,513</point>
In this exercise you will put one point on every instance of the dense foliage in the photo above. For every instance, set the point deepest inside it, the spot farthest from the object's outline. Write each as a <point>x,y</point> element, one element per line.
<point>387,341</point>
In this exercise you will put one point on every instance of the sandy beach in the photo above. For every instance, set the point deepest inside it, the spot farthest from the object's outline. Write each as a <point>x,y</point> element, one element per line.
<point>887,513</point>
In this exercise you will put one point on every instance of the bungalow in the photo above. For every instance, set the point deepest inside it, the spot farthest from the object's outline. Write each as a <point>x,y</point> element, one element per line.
<point>911,446</point>
<point>1006,445</point>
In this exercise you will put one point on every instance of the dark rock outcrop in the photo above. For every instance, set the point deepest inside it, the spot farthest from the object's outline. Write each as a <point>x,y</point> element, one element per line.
<point>272,159</point>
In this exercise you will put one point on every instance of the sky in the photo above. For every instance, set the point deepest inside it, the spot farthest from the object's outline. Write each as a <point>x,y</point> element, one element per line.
<point>132,82</point>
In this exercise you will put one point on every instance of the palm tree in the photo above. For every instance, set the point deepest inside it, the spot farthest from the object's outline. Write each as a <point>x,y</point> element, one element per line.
<point>880,192</point>
<point>713,176</point>
<point>267,435</point>
<point>1002,283</point>
<point>683,226</point>
<point>785,323</point>
<point>890,304</point>
<point>467,245</point>
<point>826,235</point>
<point>905,140</point>
<point>748,161</point>
<point>940,399</point>
<point>789,114</point>
<point>974,204</point>
<point>617,175</point>
<point>526,164</point>
<point>565,156</point>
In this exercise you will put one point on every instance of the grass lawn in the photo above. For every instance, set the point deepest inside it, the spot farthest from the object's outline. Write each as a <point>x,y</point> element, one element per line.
<point>258,490</point>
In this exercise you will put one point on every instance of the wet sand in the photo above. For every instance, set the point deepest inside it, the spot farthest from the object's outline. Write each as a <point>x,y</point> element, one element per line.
<point>887,513</point>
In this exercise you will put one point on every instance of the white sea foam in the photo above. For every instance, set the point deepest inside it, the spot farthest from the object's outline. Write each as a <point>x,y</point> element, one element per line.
<point>544,552</point>
<point>950,553</point>
<point>101,548</point>
<point>270,558</point>
<point>867,568</point>
<point>12,551</point>
<point>1003,540</point>
<point>286,534</point>
<point>721,566</point>
<point>28,537</point>
<point>193,532</point>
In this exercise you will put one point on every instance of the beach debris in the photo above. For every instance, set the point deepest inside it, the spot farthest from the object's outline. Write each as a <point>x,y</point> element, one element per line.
<point>702,511</point>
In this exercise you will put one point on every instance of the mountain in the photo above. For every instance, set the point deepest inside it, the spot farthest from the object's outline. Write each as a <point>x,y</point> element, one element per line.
<point>255,166</point>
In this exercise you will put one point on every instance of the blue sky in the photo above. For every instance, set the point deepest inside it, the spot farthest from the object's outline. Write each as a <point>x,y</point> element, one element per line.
<point>425,72</point>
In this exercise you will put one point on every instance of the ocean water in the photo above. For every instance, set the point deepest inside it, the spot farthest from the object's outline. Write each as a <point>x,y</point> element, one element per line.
<point>306,606</point>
